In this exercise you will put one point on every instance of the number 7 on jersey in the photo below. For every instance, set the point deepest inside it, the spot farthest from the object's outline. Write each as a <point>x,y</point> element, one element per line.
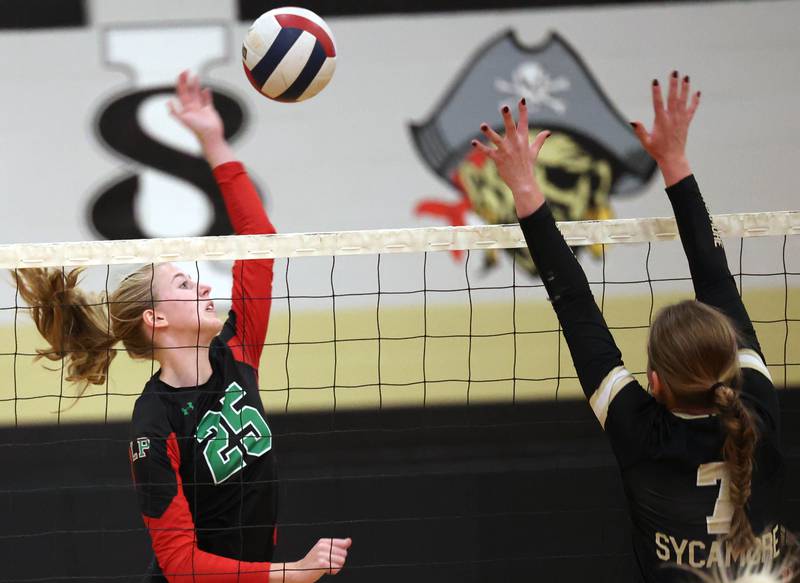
<point>708,475</point>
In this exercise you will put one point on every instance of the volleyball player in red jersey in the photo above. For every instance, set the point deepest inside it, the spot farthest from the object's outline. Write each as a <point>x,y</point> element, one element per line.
<point>700,456</point>
<point>201,449</point>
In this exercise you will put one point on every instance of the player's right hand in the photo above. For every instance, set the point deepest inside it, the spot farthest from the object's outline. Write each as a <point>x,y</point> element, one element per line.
<point>194,108</point>
<point>513,153</point>
<point>327,557</point>
<point>514,156</point>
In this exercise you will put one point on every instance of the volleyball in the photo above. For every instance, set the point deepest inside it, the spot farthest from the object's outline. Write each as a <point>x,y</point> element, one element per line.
<point>289,54</point>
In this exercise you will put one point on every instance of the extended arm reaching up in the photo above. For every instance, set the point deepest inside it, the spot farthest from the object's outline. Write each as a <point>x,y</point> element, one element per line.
<point>251,296</point>
<point>666,143</point>
<point>597,359</point>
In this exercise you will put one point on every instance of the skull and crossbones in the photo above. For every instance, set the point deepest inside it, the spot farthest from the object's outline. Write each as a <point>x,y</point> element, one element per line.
<point>531,81</point>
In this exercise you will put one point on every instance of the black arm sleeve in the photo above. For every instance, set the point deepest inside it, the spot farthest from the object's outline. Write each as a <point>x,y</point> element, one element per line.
<point>593,349</point>
<point>713,282</point>
<point>626,412</point>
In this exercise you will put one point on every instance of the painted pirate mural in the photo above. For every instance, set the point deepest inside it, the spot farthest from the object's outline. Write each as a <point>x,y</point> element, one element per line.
<point>591,153</point>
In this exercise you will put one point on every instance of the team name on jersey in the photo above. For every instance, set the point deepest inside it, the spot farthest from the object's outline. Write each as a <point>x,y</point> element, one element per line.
<point>700,554</point>
<point>139,448</point>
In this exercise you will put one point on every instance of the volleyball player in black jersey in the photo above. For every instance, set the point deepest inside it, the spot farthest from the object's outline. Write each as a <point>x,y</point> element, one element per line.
<point>699,455</point>
<point>201,453</point>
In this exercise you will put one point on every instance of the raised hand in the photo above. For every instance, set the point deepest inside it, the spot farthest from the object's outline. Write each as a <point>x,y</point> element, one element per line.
<point>515,155</point>
<point>194,108</point>
<point>666,142</point>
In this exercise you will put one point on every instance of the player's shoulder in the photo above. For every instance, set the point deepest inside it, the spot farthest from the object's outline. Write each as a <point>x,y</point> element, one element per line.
<point>228,331</point>
<point>619,395</point>
<point>753,365</point>
<point>227,346</point>
<point>150,412</point>
<point>757,388</point>
<point>756,378</point>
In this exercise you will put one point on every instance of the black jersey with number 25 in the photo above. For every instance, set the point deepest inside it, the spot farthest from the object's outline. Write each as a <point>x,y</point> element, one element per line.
<point>202,456</point>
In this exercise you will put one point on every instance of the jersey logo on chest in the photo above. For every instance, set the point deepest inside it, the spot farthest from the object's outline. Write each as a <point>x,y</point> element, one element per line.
<point>231,434</point>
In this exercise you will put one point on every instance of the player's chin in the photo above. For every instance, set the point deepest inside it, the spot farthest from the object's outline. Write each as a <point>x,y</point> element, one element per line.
<point>211,324</point>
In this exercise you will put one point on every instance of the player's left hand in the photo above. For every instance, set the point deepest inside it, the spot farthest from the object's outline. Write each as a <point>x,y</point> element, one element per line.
<point>666,142</point>
<point>667,139</point>
<point>327,557</point>
<point>194,108</point>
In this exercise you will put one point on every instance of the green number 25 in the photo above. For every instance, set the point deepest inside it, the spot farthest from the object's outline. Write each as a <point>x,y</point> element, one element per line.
<point>215,428</point>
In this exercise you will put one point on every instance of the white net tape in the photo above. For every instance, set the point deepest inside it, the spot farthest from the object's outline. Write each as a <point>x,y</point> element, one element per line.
<point>577,233</point>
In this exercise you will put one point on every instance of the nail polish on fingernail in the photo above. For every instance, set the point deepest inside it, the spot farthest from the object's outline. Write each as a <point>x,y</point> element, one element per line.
<point>474,143</point>
<point>655,82</point>
<point>633,124</point>
<point>505,109</point>
<point>686,79</point>
<point>484,127</point>
<point>523,102</point>
<point>674,74</point>
<point>698,94</point>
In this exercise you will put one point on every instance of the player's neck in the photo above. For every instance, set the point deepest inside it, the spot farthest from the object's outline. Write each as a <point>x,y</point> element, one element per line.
<point>693,410</point>
<point>185,367</point>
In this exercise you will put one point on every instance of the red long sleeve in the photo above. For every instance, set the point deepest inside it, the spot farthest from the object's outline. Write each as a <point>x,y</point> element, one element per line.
<point>175,545</point>
<point>244,206</point>
<point>251,296</point>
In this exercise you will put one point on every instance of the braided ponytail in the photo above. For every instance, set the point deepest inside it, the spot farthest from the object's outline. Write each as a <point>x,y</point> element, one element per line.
<point>741,435</point>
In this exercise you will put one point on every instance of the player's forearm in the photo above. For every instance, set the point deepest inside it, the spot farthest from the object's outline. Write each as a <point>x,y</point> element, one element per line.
<point>561,273</point>
<point>216,150</point>
<point>197,571</point>
<point>281,573</point>
<point>290,573</point>
<point>244,206</point>
<point>703,249</point>
<point>181,560</point>
<point>674,169</point>
<point>708,265</point>
<point>252,279</point>
<point>590,342</point>
<point>528,200</point>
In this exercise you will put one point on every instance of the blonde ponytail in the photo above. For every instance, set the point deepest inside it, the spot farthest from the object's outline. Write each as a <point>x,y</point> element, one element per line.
<point>83,328</point>
<point>74,323</point>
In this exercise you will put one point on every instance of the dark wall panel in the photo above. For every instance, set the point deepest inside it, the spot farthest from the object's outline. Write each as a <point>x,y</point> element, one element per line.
<point>38,14</point>
<point>440,495</point>
<point>252,9</point>
<point>24,14</point>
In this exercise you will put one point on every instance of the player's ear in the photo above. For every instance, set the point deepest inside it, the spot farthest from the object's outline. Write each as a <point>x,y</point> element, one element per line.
<point>153,319</point>
<point>655,385</point>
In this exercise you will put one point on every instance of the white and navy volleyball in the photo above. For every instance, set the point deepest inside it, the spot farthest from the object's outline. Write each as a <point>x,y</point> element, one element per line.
<point>289,54</point>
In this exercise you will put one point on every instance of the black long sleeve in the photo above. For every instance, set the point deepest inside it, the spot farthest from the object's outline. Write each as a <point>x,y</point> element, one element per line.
<point>665,456</point>
<point>618,401</point>
<point>593,349</point>
<point>714,285</point>
<point>713,282</point>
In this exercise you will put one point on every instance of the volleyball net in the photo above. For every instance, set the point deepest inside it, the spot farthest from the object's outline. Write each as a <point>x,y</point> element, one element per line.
<point>410,317</point>
<point>393,323</point>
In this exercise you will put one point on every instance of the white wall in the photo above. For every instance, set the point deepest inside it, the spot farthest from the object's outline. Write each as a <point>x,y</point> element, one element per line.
<point>345,160</point>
